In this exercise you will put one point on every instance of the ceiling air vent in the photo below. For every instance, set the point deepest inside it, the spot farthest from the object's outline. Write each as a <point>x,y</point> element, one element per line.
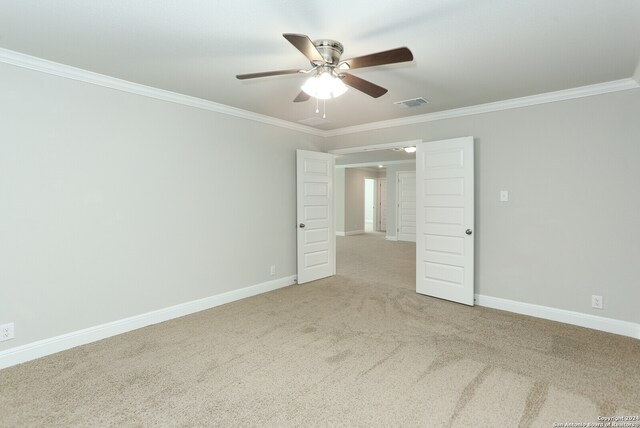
<point>414,102</point>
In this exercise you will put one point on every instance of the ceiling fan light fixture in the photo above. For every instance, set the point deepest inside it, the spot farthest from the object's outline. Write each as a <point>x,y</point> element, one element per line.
<point>410,149</point>
<point>324,86</point>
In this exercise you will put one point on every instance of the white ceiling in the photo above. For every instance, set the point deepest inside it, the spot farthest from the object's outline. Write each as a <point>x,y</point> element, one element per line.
<point>467,52</point>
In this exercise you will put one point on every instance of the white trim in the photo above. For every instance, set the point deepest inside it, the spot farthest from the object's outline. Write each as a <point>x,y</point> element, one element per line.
<point>350,233</point>
<point>38,64</point>
<point>49,346</point>
<point>45,66</point>
<point>383,163</point>
<point>610,325</point>
<point>354,232</point>
<point>548,97</point>
<point>391,238</point>
<point>379,198</point>
<point>373,147</point>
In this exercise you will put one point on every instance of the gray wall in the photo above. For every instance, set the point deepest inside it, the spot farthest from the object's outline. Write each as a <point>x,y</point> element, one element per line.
<point>354,197</point>
<point>113,204</point>
<point>570,228</point>
<point>391,196</point>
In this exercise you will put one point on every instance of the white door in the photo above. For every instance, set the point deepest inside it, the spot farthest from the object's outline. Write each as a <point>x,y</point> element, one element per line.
<point>316,227</point>
<point>444,248</point>
<point>406,217</point>
<point>382,204</point>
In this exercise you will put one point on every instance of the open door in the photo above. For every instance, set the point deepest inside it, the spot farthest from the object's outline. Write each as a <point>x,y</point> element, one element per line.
<point>406,206</point>
<point>445,217</point>
<point>315,214</point>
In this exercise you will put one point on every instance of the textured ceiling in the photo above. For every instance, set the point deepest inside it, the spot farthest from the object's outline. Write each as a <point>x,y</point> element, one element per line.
<point>467,52</point>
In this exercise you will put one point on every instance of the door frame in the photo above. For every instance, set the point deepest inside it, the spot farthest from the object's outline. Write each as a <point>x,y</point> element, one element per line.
<point>371,147</point>
<point>379,198</point>
<point>374,214</point>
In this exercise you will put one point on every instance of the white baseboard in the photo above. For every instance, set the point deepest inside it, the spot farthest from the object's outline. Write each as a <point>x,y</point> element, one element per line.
<point>354,232</point>
<point>41,348</point>
<point>391,238</point>
<point>609,325</point>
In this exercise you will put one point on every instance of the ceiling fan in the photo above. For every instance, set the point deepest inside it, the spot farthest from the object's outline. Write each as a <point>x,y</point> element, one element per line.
<point>330,72</point>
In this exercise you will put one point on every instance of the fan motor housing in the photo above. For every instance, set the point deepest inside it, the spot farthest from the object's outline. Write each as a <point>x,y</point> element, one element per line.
<point>330,50</point>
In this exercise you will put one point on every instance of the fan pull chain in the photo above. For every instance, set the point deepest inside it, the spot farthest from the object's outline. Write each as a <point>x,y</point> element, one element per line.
<point>317,108</point>
<point>324,109</point>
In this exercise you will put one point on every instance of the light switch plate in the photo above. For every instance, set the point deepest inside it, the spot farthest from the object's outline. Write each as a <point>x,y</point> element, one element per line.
<point>504,196</point>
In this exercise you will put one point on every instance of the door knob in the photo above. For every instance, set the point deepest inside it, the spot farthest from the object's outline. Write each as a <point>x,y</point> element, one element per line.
<point>468,232</point>
<point>301,225</point>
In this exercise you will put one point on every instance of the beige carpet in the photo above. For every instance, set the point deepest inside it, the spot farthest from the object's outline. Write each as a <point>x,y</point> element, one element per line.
<point>359,349</point>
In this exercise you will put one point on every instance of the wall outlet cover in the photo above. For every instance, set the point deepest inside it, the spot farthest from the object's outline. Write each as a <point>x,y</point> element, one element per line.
<point>596,301</point>
<point>6,332</point>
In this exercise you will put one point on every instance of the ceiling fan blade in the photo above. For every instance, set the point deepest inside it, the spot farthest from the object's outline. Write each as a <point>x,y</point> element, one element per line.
<point>362,85</point>
<point>302,96</point>
<point>386,57</point>
<point>266,73</point>
<point>305,45</point>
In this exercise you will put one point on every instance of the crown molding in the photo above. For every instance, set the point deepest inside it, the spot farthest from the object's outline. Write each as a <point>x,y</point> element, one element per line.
<point>549,97</point>
<point>45,66</point>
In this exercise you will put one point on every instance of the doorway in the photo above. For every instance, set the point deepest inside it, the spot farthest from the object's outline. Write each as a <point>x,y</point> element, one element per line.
<point>443,190</point>
<point>369,204</point>
<point>366,195</point>
<point>381,204</point>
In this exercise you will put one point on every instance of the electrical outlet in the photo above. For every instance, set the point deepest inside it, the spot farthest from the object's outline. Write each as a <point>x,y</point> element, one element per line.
<point>6,332</point>
<point>273,269</point>
<point>596,301</point>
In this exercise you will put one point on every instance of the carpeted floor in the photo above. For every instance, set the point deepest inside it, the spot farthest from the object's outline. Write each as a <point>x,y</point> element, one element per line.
<point>358,349</point>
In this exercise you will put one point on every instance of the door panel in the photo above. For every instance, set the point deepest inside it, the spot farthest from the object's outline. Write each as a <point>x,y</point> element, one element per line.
<point>444,196</point>
<point>406,206</point>
<point>316,229</point>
